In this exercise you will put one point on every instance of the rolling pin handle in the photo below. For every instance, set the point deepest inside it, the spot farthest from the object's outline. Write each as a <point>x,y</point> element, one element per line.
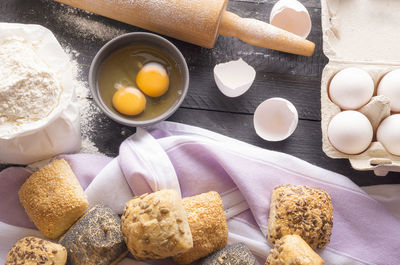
<point>262,34</point>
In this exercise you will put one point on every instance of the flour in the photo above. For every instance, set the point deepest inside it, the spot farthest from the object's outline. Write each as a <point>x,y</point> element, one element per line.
<point>29,91</point>
<point>87,110</point>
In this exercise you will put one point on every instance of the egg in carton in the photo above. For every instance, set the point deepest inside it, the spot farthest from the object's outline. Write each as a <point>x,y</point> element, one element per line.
<point>361,34</point>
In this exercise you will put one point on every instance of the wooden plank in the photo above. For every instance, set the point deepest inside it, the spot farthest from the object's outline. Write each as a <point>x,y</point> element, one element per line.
<point>278,74</point>
<point>45,13</point>
<point>204,94</point>
<point>272,80</point>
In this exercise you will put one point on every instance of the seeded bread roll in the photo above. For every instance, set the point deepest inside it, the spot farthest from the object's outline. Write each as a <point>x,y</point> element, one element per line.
<point>302,211</point>
<point>293,250</point>
<point>53,198</point>
<point>207,222</point>
<point>236,254</point>
<point>155,226</point>
<point>33,251</point>
<point>95,239</point>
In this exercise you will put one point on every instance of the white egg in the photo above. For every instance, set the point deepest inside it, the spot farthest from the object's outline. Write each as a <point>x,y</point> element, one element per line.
<point>390,87</point>
<point>388,134</point>
<point>350,132</point>
<point>351,88</point>
<point>234,78</point>
<point>275,119</point>
<point>292,16</point>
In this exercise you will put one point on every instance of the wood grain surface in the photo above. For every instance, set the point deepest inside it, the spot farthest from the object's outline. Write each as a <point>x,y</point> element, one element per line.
<point>295,78</point>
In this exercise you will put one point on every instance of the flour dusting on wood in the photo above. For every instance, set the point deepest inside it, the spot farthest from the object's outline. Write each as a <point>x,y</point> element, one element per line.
<point>87,109</point>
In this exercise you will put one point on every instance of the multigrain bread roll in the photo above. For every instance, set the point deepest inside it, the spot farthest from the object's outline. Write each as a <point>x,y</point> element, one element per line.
<point>95,239</point>
<point>53,198</point>
<point>293,250</point>
<point>207,222</point>
<point>236,254</point>
<point>155,226</point>
<point>33,251</point>
<point>302,211</point>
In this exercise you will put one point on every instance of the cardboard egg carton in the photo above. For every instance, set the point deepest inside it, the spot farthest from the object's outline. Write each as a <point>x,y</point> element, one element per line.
<point>363,34</point>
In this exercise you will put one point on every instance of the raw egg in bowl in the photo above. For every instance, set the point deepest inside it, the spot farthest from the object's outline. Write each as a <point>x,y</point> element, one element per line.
<point>138,79</point>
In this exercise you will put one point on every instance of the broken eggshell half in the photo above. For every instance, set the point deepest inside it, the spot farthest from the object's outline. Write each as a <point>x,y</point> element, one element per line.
<point>292,16</point>
<point>234,78</point>
<point>275,119</point>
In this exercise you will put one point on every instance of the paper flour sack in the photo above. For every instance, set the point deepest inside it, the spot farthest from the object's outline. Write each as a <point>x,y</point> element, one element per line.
<point>39,115</point>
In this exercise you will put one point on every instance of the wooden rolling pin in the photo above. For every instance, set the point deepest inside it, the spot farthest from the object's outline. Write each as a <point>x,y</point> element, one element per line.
<point>196,21</point>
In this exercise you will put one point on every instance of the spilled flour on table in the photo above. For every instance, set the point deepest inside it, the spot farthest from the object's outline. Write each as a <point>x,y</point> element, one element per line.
<point>84,26</point>
<point>86,109</point>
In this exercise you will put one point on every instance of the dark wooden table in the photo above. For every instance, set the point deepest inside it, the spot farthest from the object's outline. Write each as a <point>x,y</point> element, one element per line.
<point>292,77</point>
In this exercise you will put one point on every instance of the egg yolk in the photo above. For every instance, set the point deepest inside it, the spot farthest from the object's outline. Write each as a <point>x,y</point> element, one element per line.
<point>129,101</point>
<point>153,80</point>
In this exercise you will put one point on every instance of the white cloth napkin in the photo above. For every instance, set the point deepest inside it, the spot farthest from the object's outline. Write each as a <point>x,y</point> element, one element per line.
<point>192,160</point>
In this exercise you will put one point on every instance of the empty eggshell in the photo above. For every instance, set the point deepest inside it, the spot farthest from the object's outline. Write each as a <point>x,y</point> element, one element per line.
<point>388,134</point>
<point>275,119</point>
<point>390,87</point>
<point>351,88</point>
<point>234,78</point>
<point>292,16</point>
<point>350,132</point>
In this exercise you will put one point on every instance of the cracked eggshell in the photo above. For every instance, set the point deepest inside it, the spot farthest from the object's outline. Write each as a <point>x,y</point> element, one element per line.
<point>275,119</point>
<point>234,78</point>
<point>292,16</point>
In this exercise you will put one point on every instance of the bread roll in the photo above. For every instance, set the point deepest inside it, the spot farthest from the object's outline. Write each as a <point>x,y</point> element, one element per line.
<point>53,198</point>
<point>33,251</point>
<point>208,225</point>
<point>302,211</point>
<point>236,254</point>
<point>95,239</point>
<point>293,250</point>
<point>155,226</point>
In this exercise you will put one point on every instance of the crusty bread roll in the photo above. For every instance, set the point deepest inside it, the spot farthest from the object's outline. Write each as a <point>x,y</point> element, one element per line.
<point>33,250</point>
<point>155,226</point>
<point>53,198</point>
<point>208,225</point>
<point>303,211</point>
<point>236,254</point>
<point>292,249</point>
<point>95,239</point>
